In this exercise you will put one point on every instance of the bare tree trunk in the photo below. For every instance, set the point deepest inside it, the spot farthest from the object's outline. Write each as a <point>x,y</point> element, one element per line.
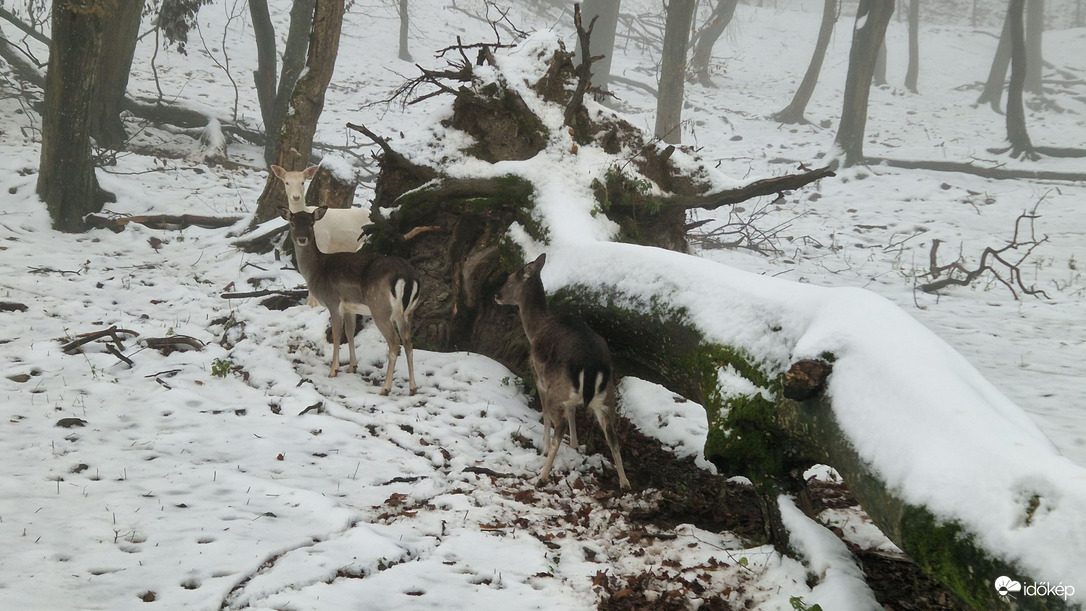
<point>66,180</point>
<point>669,104</point>
<point>1035,27</point>
<point>274,100</point>
<point>115,64</point>
<point>793,113</point>
<point>913,72</point>
<point>1017,133</point>
<point>993,87</point>
<point>872,17</point>
<point>703,47</point>
<point>264,77</point>
<point>405,54</point>
<point>306,102</point>
<point>605,12</point>
<point>879,77</point>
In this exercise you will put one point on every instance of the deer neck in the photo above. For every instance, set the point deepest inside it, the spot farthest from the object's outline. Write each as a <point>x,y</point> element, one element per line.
<point>309,258</point>
<point>533,308</point>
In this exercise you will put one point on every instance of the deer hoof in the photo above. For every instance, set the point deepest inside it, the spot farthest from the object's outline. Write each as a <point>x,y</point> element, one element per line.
<point>332,373</point>
<point>384,392</point>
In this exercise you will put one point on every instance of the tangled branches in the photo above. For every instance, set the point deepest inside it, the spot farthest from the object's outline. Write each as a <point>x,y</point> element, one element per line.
<point>1004,263</point>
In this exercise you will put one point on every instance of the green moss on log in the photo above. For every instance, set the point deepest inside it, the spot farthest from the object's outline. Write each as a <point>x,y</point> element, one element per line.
<point>655,342</point>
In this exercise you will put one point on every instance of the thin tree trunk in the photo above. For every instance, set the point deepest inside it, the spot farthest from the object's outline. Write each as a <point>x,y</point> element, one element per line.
<point>405,54</point>
<point>605,12</point>
<point>115,64</point>
<point>703,49</point>
<point>307,103</point>
<point>913,72</point>
<point>793,113</point>
<point>1035,27</point>
<point>997,75</point>
<point>66,180</point>
<point>669,104</point>
<point>1017,133</point>
<point>264,77</point>
<point>872,17</point>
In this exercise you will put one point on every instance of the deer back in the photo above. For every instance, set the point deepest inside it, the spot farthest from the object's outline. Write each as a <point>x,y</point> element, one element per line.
<point>565,351</point>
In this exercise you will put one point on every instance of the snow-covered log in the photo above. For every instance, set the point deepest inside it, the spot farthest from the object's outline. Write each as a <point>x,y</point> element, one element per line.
<point>955,474</point>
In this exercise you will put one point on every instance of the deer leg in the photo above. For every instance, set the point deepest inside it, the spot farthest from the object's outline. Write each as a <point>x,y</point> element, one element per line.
<point>605,415</point>
<point>555,442</point>
<point>409,352</point>
<point>571,420</point>
<point>337,328</point>
<point>349,321</point>
<point>385,326</point>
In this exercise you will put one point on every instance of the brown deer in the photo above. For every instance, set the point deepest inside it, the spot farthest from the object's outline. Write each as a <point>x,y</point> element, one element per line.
<point>382,287</point>
<point>571,364</point>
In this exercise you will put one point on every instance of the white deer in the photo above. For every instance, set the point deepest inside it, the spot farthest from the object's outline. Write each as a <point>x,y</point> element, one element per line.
<point>349,283</point>
<point>571,364</point>
<point>341,228</point>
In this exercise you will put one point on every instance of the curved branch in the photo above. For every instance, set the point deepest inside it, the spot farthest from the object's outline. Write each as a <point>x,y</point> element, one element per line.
<point>758,188</point>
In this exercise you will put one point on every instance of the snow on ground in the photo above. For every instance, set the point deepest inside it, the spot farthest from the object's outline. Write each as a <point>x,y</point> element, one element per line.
<point>205,491</point>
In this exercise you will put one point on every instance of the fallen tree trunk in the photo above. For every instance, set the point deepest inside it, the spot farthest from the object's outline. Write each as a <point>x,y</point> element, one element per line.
<point>161,221</point>
<point>769,439</point>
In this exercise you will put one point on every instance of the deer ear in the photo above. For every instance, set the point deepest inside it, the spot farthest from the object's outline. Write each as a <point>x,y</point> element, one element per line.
<point>284,212</point>
<point>319,213</point>
<point>278,171</point>
<point>533,268</point>
<point>311,171</point>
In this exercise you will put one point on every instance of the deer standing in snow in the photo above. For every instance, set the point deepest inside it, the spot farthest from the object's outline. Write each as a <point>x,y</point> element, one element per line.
<point>341,229</point>
<point>571,364</point>
<point>383,287</point>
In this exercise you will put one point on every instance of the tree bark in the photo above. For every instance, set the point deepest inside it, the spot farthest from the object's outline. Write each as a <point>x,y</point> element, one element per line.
<point>793,113</point>
<point>997,74</point>
<point>307,102</point>
<point>912,74</point>
<point>264,78</point>
<point>405,54</point>
<point>1035,27</point>
<point>274,100</point>
<point>66,180</point>
<point>872,17</point>
<point>118,47</point>
<point>669,105</point>
<point>703,48</point>
<point>1017,134</point>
